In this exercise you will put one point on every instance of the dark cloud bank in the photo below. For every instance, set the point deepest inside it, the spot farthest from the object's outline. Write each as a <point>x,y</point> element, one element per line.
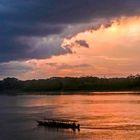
<point>24,24</point>
<point>39,18</point>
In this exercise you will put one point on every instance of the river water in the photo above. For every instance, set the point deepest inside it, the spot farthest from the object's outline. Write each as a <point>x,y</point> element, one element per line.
<point>102,116</point>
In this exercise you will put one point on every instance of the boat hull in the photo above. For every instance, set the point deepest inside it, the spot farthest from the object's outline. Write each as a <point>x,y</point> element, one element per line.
<point>58,125</point>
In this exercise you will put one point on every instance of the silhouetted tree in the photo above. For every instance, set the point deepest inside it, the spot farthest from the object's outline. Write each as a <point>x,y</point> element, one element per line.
<point>72,84</point>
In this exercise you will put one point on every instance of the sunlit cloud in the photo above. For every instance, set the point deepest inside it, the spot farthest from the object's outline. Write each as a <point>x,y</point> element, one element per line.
<point>113,51</point>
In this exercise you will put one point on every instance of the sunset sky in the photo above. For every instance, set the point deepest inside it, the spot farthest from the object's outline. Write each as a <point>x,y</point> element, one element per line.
<point>48,38</point>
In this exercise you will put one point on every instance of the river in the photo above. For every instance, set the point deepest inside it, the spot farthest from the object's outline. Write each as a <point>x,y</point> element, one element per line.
<point>102,116</point>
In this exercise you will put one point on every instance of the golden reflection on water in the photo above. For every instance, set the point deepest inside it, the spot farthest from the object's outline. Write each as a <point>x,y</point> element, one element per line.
<point>101,116</point>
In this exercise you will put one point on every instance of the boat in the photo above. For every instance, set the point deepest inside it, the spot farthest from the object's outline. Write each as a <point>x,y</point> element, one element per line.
<point>59,123</point>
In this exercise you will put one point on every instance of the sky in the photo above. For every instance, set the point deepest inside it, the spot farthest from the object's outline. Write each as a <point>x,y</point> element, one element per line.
<point>49,38</point>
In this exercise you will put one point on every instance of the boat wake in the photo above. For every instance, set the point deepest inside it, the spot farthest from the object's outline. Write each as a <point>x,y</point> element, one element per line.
<point>117,127</point>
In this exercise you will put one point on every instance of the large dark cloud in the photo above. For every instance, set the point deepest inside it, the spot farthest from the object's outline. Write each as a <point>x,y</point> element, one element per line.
<point>23,49</point>
<point>64,11</point>
<point>39,18</point>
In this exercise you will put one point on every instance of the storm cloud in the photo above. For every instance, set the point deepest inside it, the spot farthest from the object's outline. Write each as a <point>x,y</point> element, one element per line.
<point>25,24</point>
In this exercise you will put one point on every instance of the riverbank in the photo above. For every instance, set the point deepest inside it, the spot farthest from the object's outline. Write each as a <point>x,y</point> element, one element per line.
<point>70,93</point>
<point>60,85</point>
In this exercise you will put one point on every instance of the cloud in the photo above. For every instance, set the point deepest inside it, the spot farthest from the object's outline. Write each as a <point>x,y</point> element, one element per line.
<point>30,48</point>
<point>50,18</point>
<point>53,11</point>
<point>82,43</point>
<point>68,66</point>
<point>13,68</point>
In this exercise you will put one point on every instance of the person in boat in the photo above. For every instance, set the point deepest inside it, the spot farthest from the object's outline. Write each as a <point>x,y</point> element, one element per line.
<point>78,125</point>
<point>74,124</point>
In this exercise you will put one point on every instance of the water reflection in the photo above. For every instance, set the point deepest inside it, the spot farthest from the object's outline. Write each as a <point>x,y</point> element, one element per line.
<point>70,130</point>
<point>101,116</point>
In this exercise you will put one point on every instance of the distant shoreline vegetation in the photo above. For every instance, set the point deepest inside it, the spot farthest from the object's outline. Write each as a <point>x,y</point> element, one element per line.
<point>69,84</point>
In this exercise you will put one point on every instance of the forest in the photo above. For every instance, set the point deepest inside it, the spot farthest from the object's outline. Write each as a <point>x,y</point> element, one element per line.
<point>66,84</point>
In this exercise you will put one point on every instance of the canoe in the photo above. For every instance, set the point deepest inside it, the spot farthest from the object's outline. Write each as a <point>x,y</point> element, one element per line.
<point>59,123</point>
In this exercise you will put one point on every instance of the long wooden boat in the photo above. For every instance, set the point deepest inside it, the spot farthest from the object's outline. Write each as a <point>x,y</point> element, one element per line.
<point>59,123</point>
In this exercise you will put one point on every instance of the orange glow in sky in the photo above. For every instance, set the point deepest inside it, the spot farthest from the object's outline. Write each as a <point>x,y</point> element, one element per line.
<point>113,51</point>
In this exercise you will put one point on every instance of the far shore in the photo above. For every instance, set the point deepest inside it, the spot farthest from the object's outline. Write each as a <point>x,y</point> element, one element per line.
<point>13,93</point>
<point>71,86</point>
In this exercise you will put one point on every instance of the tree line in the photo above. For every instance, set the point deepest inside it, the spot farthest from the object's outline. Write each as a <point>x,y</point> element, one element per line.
<point>71,84</point>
